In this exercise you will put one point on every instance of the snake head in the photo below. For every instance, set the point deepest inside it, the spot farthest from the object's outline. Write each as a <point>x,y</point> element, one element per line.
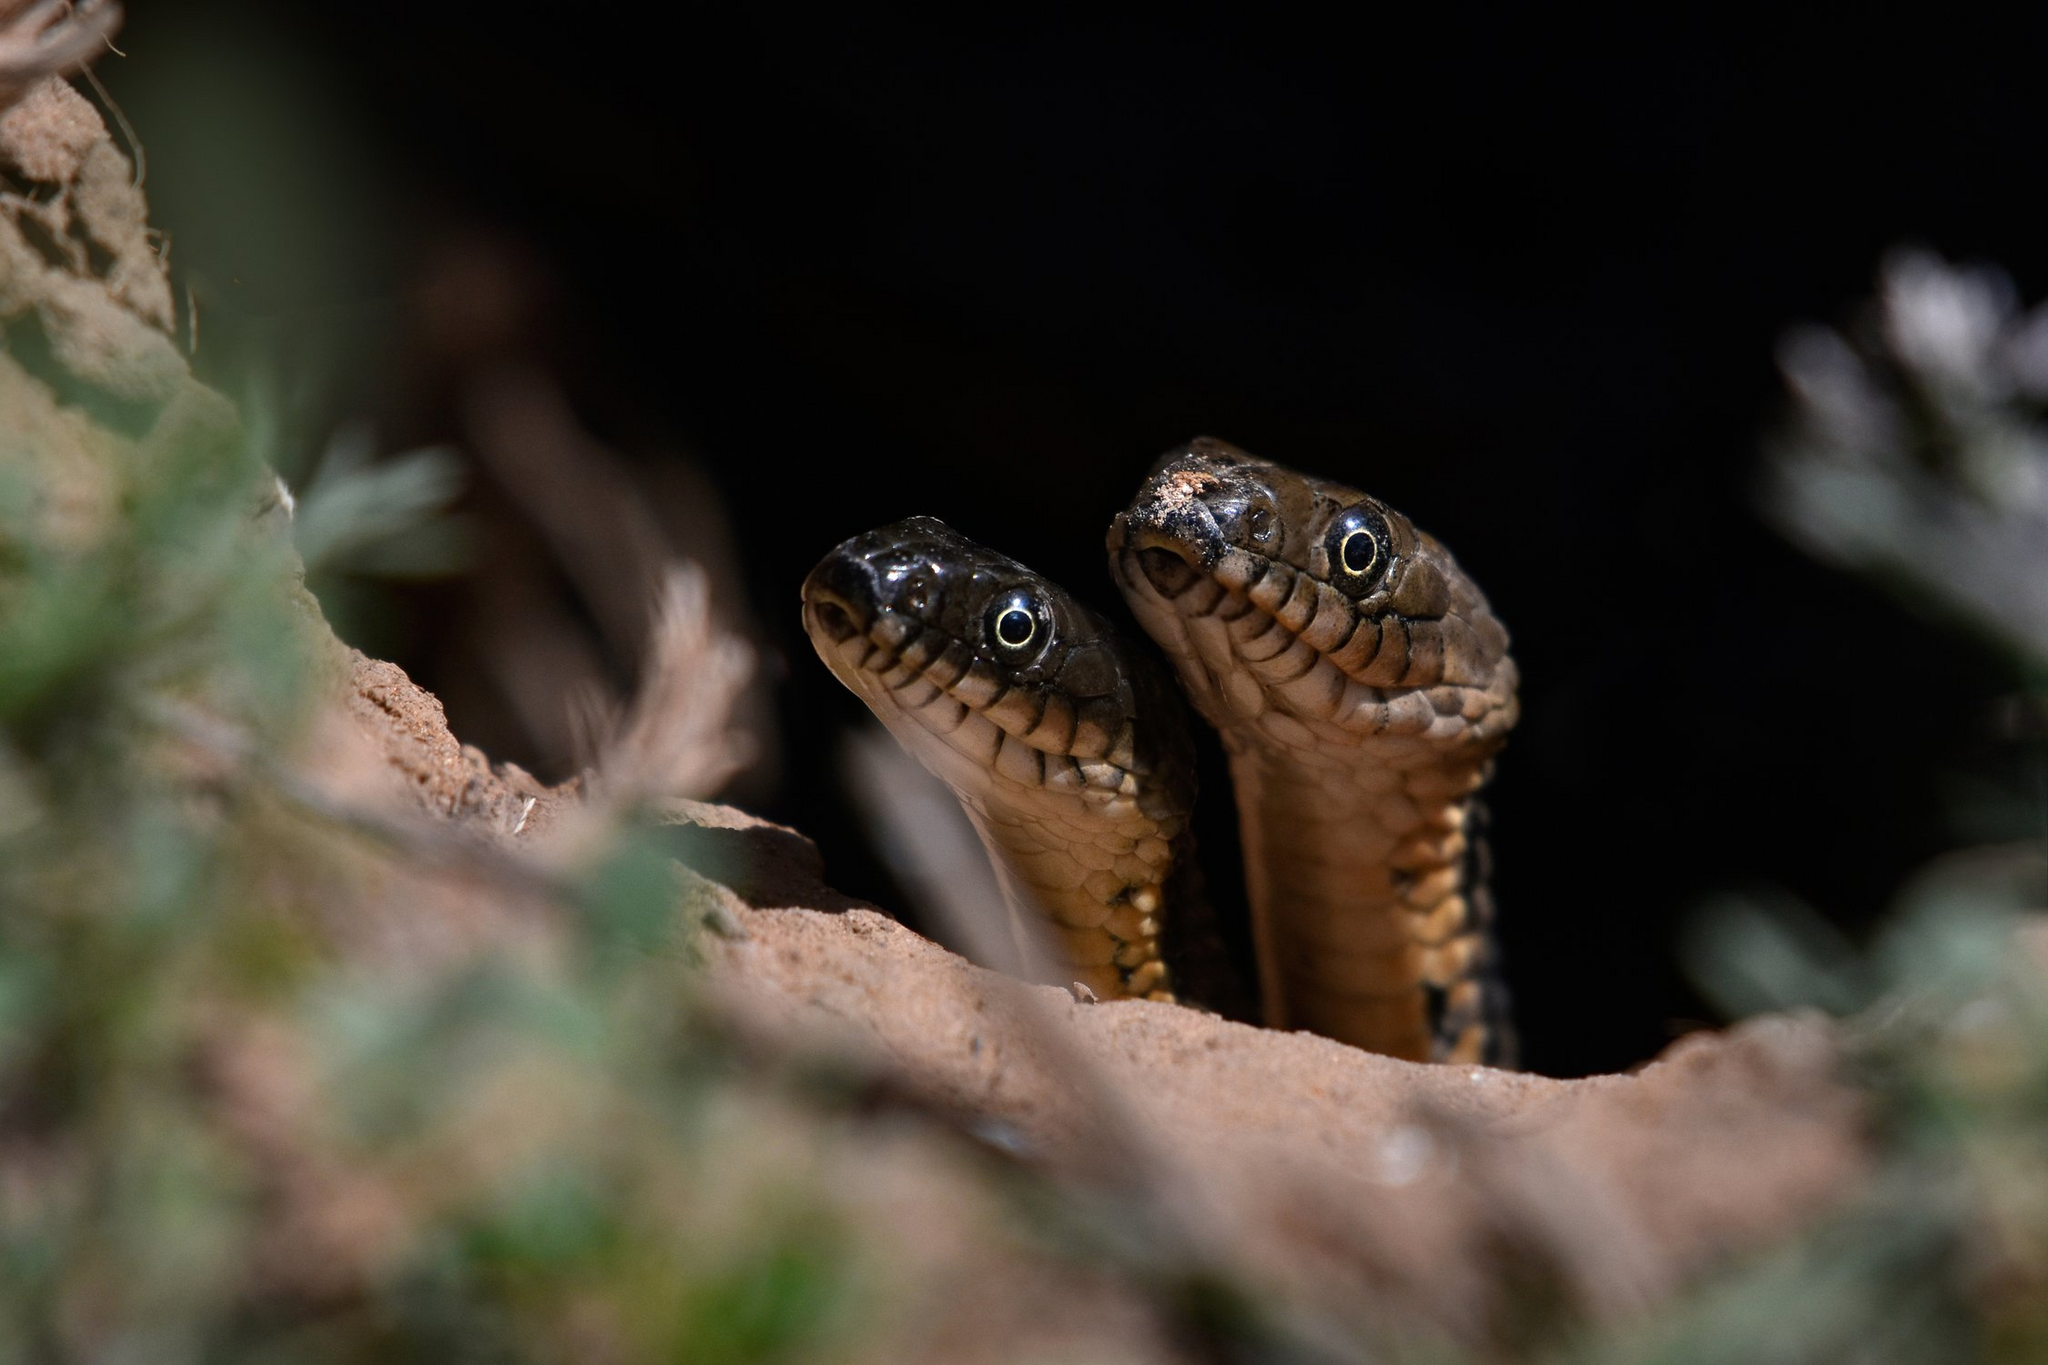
<point>1277,592</point>
<point>940,634</point>
<point>920,582</point>
<point>1197,502</point>
<point>1208,502</point>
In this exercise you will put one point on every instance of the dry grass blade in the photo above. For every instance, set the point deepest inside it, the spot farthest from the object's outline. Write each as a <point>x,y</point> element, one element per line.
<point>676,738</point>
<point>50,37</point>
<point>935,853</point>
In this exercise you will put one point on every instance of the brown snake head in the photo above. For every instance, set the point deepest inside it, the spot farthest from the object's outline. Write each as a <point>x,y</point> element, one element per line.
<point>1068,748</point>
<point>974,649</point>
<point>1308,609</point>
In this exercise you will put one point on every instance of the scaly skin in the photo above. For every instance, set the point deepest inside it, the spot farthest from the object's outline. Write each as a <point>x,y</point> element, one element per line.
<point>1067,747</point>
<point>1362,688</point>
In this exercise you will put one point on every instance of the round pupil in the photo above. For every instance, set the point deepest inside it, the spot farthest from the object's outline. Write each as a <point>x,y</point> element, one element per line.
<point>1359,551</point>
<point>1014,627</point>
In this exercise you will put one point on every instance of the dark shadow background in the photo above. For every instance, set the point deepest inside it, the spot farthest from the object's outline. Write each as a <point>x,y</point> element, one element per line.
<point>1520,275</point>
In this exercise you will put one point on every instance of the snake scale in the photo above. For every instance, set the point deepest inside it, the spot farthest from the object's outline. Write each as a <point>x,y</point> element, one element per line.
<point>1359,682</point>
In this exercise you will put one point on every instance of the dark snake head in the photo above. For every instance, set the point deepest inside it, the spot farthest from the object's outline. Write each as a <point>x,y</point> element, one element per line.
<point>956,647</point>
<point>1272,591</point>
<point>1208,498</point>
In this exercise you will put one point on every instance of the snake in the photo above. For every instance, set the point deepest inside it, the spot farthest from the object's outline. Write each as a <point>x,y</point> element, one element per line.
<point>1359,682</point>
<point>1068,747</point>
<point>1362,688</point>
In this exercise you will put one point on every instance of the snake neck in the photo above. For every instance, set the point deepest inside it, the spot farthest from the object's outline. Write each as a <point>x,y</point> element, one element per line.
<point>1366,876</point>
<point>1143,927</point>
<point>1097,861</point>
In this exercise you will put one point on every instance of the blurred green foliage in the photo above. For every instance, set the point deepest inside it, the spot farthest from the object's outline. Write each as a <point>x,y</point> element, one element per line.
<point>227,1134</point>
<point>1916,452</point>
<point>359,517</point>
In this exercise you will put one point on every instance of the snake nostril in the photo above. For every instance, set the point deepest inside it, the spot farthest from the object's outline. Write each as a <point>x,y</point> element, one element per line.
<point>1166,570</point>
<point>840,596</point>
<point>834,619</point>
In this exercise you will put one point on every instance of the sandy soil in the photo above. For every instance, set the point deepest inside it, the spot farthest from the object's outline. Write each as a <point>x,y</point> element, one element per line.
<point>1335,1176</point>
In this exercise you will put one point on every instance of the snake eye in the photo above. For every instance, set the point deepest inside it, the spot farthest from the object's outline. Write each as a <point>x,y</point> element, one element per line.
<point>1016,626</point>
<point>1358,548</point>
